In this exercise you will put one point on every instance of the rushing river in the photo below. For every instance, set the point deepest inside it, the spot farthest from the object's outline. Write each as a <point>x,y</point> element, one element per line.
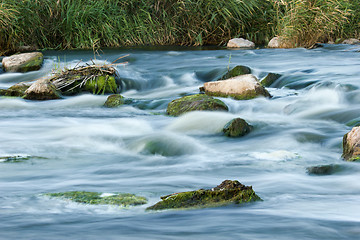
<point>77,144</point>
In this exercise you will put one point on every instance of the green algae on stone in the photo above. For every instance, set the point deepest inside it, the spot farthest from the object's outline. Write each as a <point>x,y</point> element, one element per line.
<point>114,100</point>
<point>351,145</point>
<point>198,102</point>
<point>101,85</point>
<point>236,71</point>
<point>24,62</point>
<point>120,199</point>
<point>324,169</point>
<point>270,79</point>
<point>228,192</point>
<point>237,127</point>
<point>17,90</point>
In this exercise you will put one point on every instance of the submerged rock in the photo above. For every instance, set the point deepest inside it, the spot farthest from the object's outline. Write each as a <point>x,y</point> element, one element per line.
<point>15,158</point>
<point>270,79</point>
<point>240,43</point>
<point>323,169</point>
<point>351,41</point>
<point>237,127</point>
<point>120,199</point>
<point>236,71</point>
<point>114,100</point>
<point>228,192</point>
<point>17,90</point>
<point>198,102</point>
<point>241,88</point>
<point>351,145</point>
<point>42,89</point>
<point>24,62</point>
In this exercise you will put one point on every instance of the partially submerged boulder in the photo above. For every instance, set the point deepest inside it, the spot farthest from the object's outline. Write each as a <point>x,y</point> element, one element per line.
<point>17,90</point>
<point>241,88</point>
<point>236,71</point>
<point>237,127</point>
<point>351,41</point>
<point>228,192</point>
<point>351,145</point>
<point>324,169</point>
<point>198,102</point>
<point>270,79</point>
<point>240,43</point>
<point>114,100</point>
<point>24,62</point>
<point>42,89</point>
<point>91,78</point>
<point>120,199</point>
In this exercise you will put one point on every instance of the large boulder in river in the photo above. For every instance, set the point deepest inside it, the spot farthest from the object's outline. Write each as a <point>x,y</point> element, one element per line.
<point>228,192</point>
<point>351,145</point>
<point>24,62</point>
<point>236,71</point>
<point>42,89</point>
<point>198,102</point>
<point>241,88</point>
<point>237,127</point>
<point>240,43</point>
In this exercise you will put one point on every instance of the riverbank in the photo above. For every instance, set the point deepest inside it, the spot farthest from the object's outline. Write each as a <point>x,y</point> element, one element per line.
<point>89,24</point>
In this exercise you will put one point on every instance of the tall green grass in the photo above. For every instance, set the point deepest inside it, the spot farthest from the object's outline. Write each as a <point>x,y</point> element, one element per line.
<point>67,24</point>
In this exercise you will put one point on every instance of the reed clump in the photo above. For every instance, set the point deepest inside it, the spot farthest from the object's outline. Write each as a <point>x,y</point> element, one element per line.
<point>67,24</point>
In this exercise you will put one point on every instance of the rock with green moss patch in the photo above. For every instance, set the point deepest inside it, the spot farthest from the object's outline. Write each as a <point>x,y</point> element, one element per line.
<point>351,145</point>
<point>198,102</point>
<point>101,85</point>
<point>17,90</point>
<point>120,199</point>
<point>237,127</point>
<point>270,79</point>
<point>114,100</point>
<point>42,89</point>
<point>324,169</point>
<point>236,71</point>
<point>242,87</point>
<point>228,192</point>
<point>24,62</point>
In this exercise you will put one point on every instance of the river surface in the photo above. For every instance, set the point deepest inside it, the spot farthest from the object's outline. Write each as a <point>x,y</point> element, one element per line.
<point>76,144</point>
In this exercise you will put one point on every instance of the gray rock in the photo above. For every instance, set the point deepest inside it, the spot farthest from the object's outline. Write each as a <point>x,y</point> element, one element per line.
<point>42,89</point>
<point>240,43</point>
<point>351,41</point>
<point>24,62</point>
<point>241,88</point>
<point>276,42</point>
<point>351,145</point>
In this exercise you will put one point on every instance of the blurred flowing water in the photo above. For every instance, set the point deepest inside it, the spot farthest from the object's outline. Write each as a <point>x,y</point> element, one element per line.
<point>77,144</point>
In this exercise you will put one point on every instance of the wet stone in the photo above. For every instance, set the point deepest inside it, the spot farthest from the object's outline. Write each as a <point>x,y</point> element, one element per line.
<point>324,169</point>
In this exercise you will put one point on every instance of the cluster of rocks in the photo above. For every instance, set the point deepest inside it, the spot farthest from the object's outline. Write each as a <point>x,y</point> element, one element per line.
<point>277,42</point>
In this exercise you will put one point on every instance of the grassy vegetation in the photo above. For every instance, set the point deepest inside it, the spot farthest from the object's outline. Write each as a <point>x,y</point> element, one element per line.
<point>66,24</point>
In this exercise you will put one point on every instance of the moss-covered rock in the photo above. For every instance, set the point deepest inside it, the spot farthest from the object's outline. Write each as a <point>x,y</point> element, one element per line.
<point>237,127</point>
<point>120,199</point>
<point>94,79</point>
<point>198,102</point>
<point>324,169</point>
<point>24,62</point>
<point>228,192</point>
<point>236,71</point>
<point>351,145</point>
<point>242,87</point>
<point>17,90</point>
<point>42,89</point>
<point>270,79</point>
<point>114,100</point>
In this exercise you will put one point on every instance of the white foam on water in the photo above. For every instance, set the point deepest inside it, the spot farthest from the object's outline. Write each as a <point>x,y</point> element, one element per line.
<point>204,122</point>
<point>279,155</point>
